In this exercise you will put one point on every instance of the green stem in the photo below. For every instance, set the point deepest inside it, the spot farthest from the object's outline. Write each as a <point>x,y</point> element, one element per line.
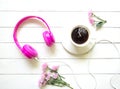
<point>99,18</point>
<point>68,85</point>
<point>61,77</point>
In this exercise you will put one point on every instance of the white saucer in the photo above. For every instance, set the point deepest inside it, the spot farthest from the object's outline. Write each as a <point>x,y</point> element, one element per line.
<point>72,49</point>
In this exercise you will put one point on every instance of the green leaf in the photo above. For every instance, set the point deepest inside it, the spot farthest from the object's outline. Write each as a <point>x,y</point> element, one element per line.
<point>99,25</point>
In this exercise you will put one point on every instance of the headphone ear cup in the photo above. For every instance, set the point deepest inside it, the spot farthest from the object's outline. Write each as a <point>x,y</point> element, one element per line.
<point>48,37</point>
<point>29,51</point>
<point>52,37</point>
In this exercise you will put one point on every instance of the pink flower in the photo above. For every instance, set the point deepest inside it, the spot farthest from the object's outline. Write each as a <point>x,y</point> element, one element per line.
<point>55,75</point>
<point>90,13</point>
<point>91,21</point>
<point>40,84</point>
<point>44,67</point>
<point>54,68</point>
<point>43,76</point>
<point>95,20</point>
<point>48,76</point>
<point>42,81</point>
<point>51,76</point>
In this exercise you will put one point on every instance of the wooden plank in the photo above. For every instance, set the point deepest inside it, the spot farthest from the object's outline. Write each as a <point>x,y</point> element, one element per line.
<point>31,81</point>
<point>60,5</point>
<point>60,19</point>
<point>35,34</point>
<point>105,66</point>
<point>22,66</point>
<point>9,51</point>
<point>98,66</point>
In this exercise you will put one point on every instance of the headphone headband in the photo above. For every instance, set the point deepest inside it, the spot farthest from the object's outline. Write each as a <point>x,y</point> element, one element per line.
<point>23,20</point>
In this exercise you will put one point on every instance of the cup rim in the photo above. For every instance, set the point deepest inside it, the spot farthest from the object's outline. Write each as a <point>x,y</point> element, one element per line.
<point>86,42</point>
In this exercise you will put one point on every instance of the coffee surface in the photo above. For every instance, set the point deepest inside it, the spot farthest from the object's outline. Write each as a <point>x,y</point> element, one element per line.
<point>79,35</point>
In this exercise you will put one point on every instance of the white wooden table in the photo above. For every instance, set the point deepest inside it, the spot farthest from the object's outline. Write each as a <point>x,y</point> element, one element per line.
<point>16,72</point>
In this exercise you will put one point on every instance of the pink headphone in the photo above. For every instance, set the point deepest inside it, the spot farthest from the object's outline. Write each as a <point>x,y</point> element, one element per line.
<point>28,50</point>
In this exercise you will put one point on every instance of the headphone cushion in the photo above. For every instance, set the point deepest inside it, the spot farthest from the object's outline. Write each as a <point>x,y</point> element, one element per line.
<point>29,51</point>
<point>48,37</point>
<point>52,37</point>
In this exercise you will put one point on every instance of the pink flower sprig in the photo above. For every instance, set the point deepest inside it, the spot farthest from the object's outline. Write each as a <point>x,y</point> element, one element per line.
<point>95,20</point>
<point>50,76</point>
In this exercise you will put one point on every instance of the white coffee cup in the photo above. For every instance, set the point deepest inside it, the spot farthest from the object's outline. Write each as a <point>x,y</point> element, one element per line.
<point>87,44</point>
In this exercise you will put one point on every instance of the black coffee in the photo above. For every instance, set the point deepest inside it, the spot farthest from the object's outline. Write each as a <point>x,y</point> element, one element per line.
<point>79,35</point>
